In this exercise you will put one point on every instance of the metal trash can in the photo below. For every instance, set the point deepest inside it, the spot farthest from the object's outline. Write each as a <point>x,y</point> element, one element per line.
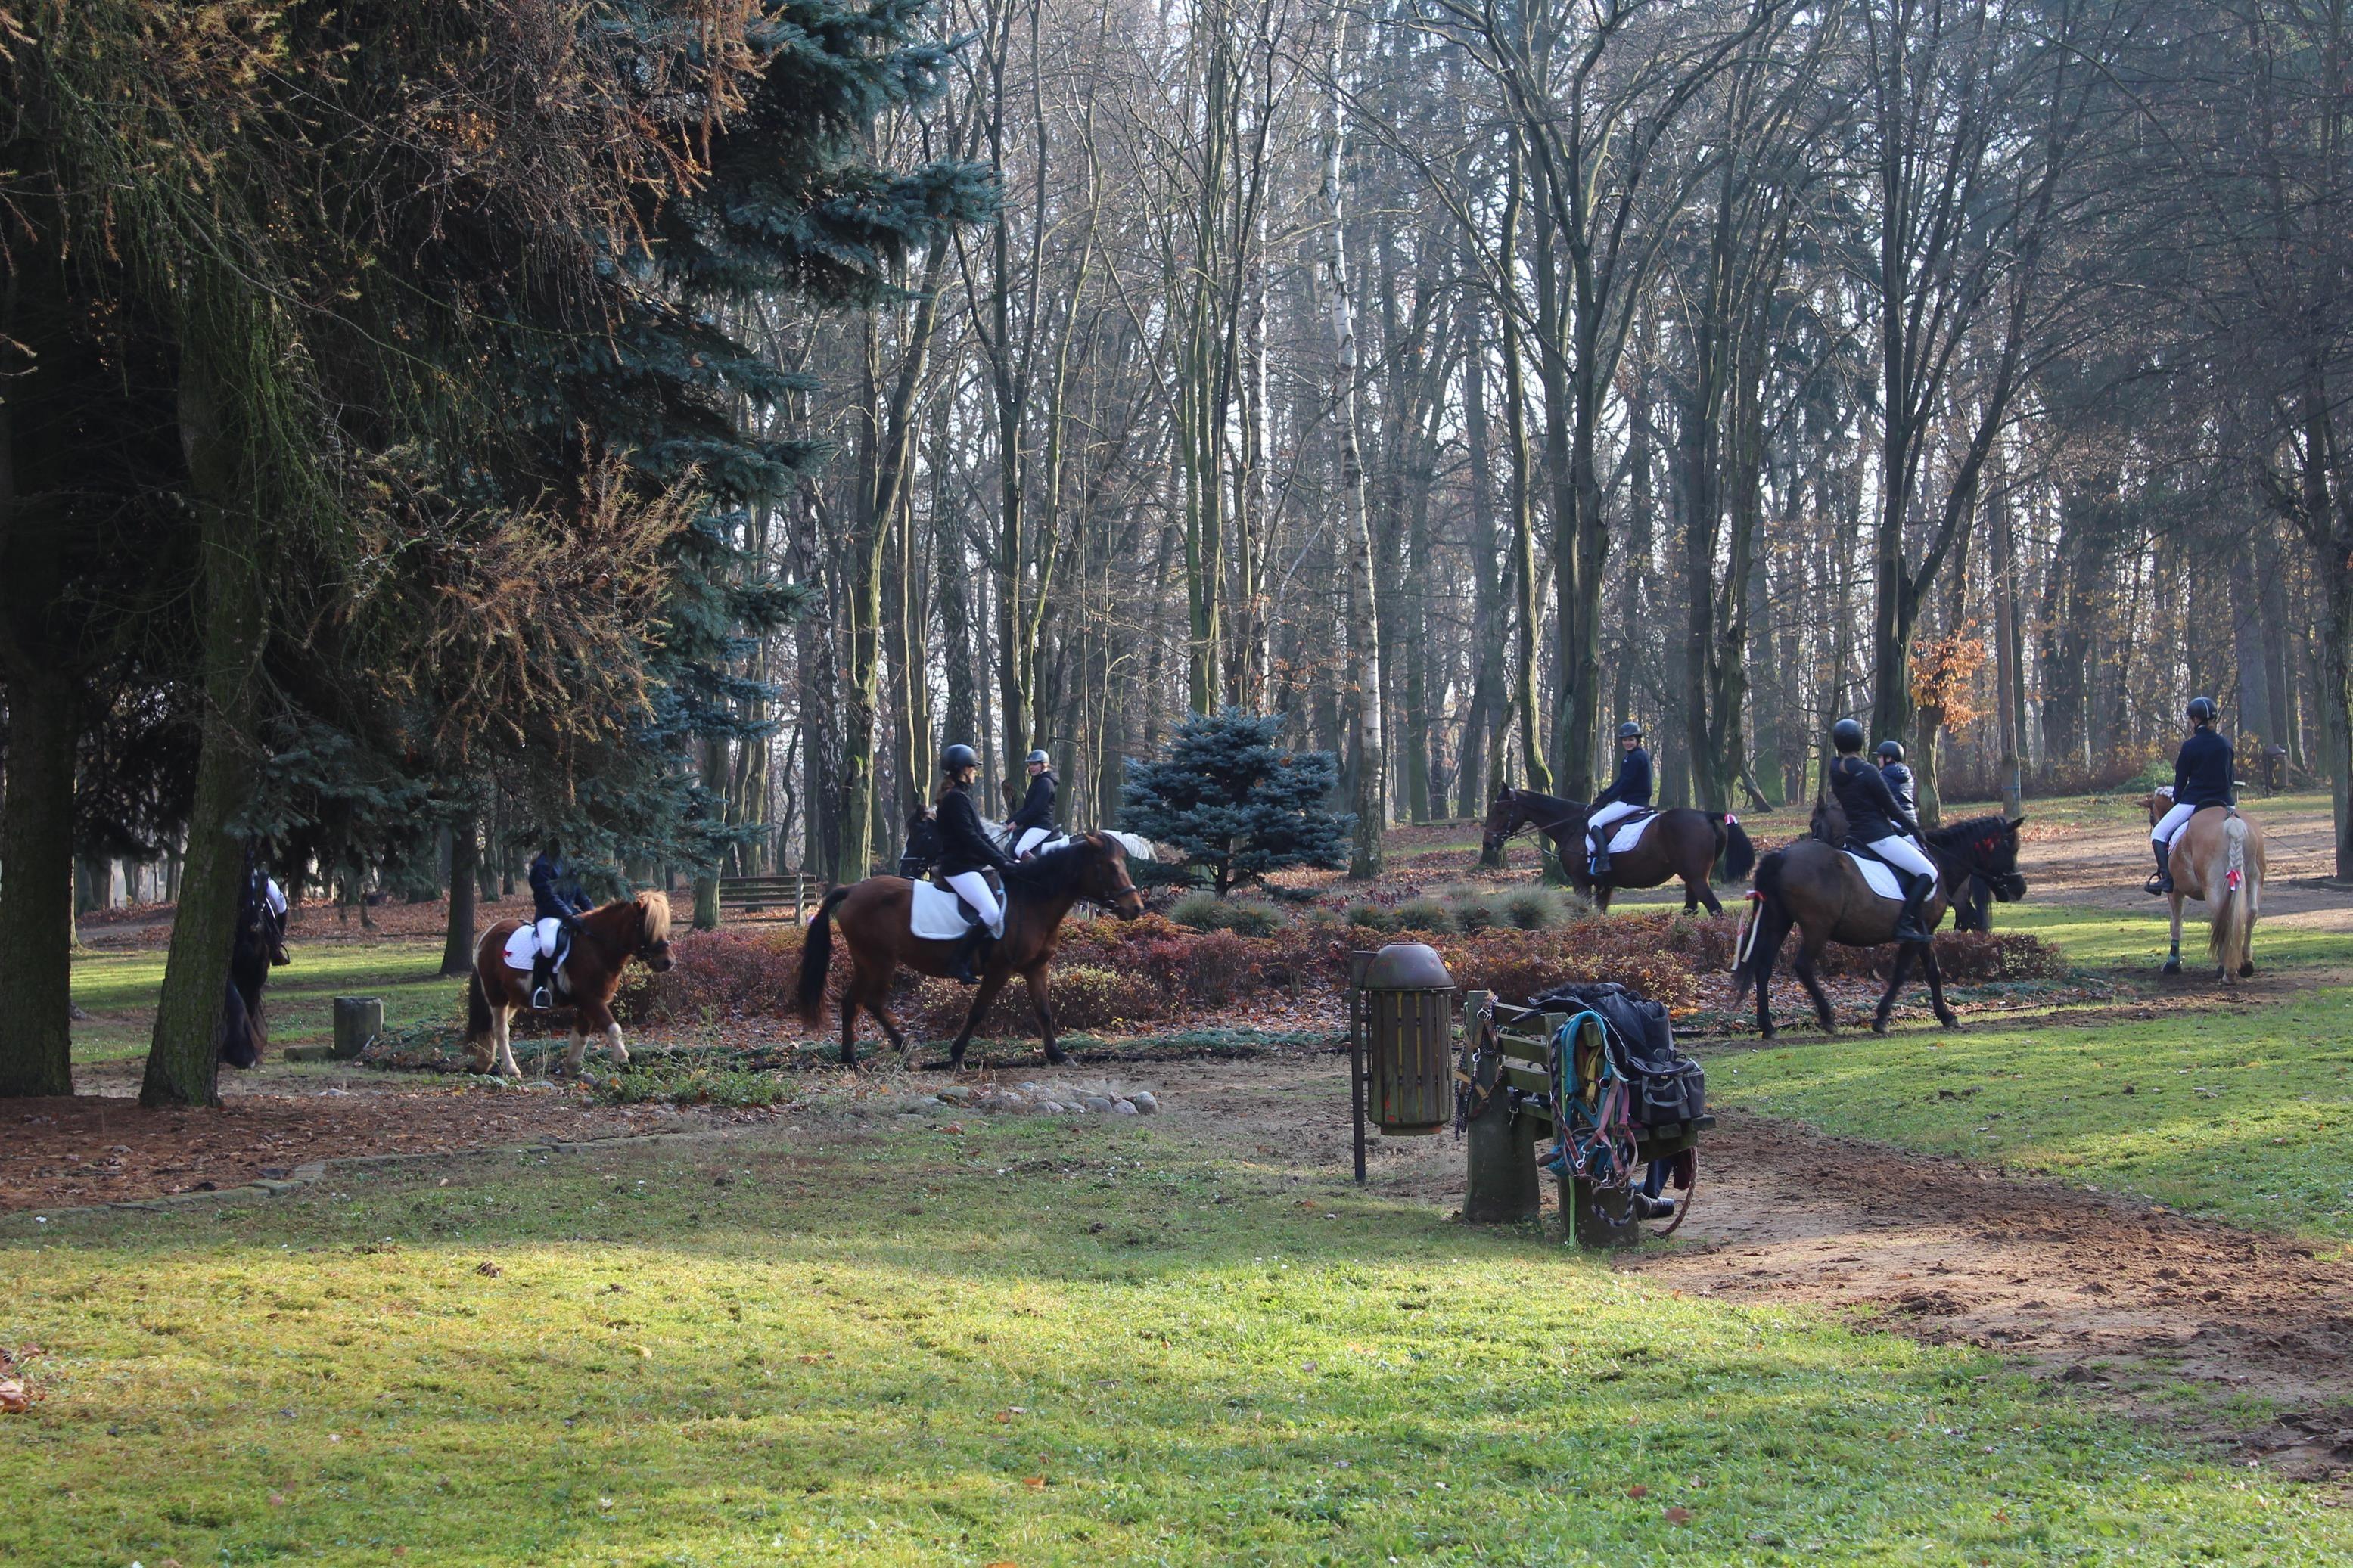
<point>1402,1019</point>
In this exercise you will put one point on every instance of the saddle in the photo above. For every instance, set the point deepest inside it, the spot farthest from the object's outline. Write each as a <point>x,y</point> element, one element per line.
<point>972,916</point>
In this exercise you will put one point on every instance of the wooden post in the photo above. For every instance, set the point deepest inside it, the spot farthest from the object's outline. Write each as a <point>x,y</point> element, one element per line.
<point>358,1020</point>
<point>1357,964</point>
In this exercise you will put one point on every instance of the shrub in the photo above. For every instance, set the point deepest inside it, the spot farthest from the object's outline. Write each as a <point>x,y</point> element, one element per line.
<point>1372,917</point>
<point>1425,915</point>
<point>1253,919</point>
<point>1202,910</point>
<point>714,973</point>
<point>1474,914</point>
<point>1207,911</point>
<point>1531,909</point>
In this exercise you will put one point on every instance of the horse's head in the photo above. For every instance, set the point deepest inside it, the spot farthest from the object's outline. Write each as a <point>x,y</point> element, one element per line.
<point>2158,802</point>
<point>653,930</point>
<point>1104,879</point>
<point>1986,847</point>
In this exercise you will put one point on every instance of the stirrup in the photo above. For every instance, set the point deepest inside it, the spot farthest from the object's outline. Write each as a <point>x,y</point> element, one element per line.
<point>542,998</point>
<point>2158,886</point>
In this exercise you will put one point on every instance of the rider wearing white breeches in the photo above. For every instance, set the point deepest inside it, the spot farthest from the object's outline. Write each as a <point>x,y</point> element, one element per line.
<point>974,889</point>
<point>1034,823</point>
<point>966,851</point>
<point>1628,793</point>
<point>2202,776</point>
<point>1878,824</point>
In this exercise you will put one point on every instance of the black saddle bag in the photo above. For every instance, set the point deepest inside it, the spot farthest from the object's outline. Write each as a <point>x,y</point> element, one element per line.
<point>1663,1085</point>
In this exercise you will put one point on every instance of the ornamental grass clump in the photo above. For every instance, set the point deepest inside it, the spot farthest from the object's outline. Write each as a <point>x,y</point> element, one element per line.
<point>1425,915</point>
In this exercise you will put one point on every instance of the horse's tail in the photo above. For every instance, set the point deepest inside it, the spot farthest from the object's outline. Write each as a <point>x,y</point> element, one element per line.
<point>1734,855</point>
<point>817,952</point>
<point>2234,909</point>
<point>477,1006</point>
<point>1769,925</point>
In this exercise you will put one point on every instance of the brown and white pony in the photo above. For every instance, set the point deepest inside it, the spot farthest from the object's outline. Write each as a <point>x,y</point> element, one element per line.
<point>607,937</point>
<point>2218,856</point>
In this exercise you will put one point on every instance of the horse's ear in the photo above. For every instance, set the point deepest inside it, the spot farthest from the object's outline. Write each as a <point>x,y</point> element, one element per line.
<point>2017,822</point>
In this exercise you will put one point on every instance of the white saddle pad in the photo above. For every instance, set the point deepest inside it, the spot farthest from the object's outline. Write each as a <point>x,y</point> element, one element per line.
<point>1629,832</point>
<point>1879,874</point>
<point>937,916</point>
<point>523,947</point>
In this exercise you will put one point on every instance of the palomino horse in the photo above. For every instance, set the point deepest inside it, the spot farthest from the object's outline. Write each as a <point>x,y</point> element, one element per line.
<point>876,923</point>
<point>1815,888</point>
<point>602,942</point>
<point>2218,856</point>
<point>1677,842</point>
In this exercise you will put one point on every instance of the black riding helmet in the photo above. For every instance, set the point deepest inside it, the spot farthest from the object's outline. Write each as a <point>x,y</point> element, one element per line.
<point>957,758</point>
<point>1847,735</point>
<point>1630,731</point>
<point>1891,751</point>
<point>2202,710</point>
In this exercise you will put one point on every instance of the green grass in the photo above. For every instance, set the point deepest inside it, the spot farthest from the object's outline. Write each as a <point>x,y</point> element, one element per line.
<point>1033,1343</point>
<point>300,998</point>
<point>2104,939</point>
<point>2245,1115</point>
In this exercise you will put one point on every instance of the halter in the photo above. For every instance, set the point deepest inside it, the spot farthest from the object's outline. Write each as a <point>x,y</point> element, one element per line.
<point>1519,804</point>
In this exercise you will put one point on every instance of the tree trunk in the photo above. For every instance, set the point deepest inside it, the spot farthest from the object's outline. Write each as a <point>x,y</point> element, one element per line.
<point>1363,627</point>
<point>37,924</point>
<point>465,868</point>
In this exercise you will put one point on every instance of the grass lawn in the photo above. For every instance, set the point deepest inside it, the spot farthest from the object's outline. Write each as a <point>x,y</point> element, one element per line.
<point>300,998</point>
<point>1031,1343</point>
<point>2104,939</point>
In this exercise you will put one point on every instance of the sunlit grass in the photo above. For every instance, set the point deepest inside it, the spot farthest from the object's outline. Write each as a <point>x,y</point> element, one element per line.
<point>118,990</point>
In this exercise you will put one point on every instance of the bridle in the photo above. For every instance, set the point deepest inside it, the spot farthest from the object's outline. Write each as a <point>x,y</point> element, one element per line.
<point>1525,820</point>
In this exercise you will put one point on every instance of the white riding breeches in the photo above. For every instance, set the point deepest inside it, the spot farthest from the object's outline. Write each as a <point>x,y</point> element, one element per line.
<point>2171,823</point>
<point>1030,837</point>
<point>1898,851</point>
<point>1597,826</point>
<point>974,889</point>
<point>274,895</point>
<point>550,932</point>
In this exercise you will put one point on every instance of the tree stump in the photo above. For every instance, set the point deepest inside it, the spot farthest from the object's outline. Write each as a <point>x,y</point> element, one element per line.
<point>358,1020</point>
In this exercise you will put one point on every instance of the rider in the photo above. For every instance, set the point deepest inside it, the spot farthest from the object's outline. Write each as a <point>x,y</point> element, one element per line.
<point>1898,776</point>
<point>1628,793</point>
<point>1876,821</point>
<point>2201,776</point>
<point>965,850</point>
<point>555,899</point>
<point>1034,823</point>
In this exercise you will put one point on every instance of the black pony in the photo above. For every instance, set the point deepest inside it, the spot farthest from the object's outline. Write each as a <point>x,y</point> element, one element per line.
<point>258,946</point>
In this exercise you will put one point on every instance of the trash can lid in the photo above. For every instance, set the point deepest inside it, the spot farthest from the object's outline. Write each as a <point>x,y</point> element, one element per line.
<point>1408,966</point>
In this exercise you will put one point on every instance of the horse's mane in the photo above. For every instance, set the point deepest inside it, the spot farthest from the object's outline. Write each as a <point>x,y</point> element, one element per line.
<point>1562,802</point>
<point>1055,870</point>
<point>653,909</point>
<point>1960,833</point>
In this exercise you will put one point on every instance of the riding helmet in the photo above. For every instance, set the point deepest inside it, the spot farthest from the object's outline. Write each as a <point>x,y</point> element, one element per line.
<point>2202,709</point>
<point>1630,731</point>
<point>1847,735</point>
<point>1040,758</point>
<point>958,757</point>
<point>1891,751</point>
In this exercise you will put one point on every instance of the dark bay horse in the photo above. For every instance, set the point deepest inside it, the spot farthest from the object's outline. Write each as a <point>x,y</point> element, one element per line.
<point>1813,887</point>
<point>605,939</point>
<point>1676,843</point>
<point>874,917</point>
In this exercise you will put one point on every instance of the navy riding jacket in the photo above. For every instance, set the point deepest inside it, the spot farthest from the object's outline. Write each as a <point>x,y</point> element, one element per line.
<point>2201,775</point>
<point>1038,805</point>
<point>1871,807</point>
<point>1900,786</point>
<point>1632,785</point>
<point>553,895</point>
<point>965,844</point>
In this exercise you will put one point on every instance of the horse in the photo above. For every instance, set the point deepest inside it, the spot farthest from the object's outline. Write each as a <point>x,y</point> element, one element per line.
<point>604,940</point>
<point>1811,885</point>
<point>1973,899</point>
<point>2217,848</point>
<point>875,918</point>
<point>1677,842</point>
<point>258,946</point>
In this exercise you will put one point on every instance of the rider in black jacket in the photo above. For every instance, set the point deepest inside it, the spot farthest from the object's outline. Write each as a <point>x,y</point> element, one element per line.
<point>1877,822</point>
<point>966,851</point>
<point>1898,776</point>
<point>2202,776</point>
<point>1034,823</point>
<point>1628,793</point>
<point>555,900</point>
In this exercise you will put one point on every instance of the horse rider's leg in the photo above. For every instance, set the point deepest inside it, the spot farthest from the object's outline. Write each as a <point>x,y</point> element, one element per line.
<point>1894,984</point>
<point>1035,979</point>
<point>992,981</point>
<point>600,1020</point>
<point>1936,988</point>
<point>2173,953</point>
<point>1809,947</point>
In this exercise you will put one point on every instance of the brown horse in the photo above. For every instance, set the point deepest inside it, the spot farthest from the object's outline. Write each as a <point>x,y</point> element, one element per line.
<point>1677,843</point>
<point>875,920</point>
<point>1813,887</point>
<point>605,938</point>
<point>2217,851</point>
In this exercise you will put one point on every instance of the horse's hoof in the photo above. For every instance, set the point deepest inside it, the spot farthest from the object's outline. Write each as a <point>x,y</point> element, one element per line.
<point>2172,966</point>
<point>2247,969</point>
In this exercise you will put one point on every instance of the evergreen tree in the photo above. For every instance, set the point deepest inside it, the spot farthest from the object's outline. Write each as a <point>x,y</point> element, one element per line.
<point>1235,802</point>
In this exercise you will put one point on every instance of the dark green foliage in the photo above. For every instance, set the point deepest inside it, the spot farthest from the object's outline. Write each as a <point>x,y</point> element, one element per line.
<point>1235,802</point>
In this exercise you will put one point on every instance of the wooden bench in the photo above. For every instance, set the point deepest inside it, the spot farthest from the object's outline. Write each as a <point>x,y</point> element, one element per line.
<point>752,895</point>
<point>1506,1076</point>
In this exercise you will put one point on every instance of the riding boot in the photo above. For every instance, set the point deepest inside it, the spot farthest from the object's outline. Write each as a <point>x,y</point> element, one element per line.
<point>1908,924</point>
<point>960,960</point>
<point>1599,860</point>
<point>543,981</point>
<point>2162,882</point>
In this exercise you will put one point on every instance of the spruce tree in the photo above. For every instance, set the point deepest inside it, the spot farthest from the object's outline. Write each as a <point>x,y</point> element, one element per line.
<point>1235,802</point>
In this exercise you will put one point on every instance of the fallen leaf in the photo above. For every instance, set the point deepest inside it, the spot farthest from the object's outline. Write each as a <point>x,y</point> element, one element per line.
<point>488,1270</point>
<point>1035,1483</point>
<point>278,1500</point>
<point>1678,1516</point>
<point>14,1400</point>
<point>1637,1492</point>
